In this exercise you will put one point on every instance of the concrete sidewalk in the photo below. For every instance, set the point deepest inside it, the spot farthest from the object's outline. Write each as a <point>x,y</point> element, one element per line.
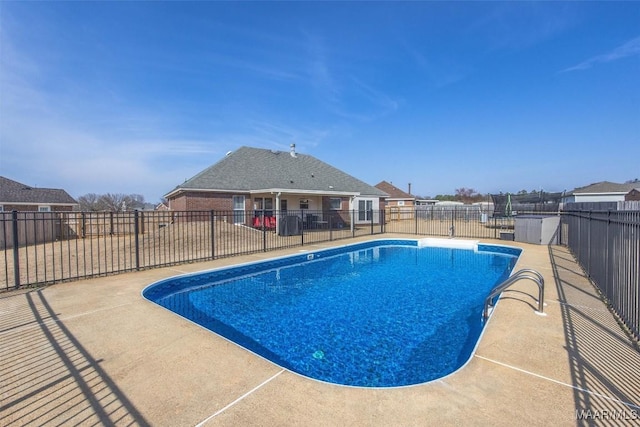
<point>95,352</point>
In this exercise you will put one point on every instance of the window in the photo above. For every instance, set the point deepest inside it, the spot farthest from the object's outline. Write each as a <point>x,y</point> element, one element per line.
<point>260,203</point>
<point>364,210</point>
<point>44,208</point>
<point>304,203</point>
<point>335,203</point>
<point>238,209</point>
<point>400,202</point>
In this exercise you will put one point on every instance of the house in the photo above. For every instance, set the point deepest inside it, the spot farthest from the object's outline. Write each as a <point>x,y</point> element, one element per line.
<point>399,204</point>
<point>396,197</point>
<point>15,196</point>
<point>633,195</point>
<point>426,202</point>
<point>270,183</point>
<point>602,192</point>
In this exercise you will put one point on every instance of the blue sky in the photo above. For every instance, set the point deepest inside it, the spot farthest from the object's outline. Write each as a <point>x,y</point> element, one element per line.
<point>136,97</point>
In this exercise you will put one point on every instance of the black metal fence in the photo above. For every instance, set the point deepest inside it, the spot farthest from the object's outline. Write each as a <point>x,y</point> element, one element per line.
<point>450,221</point>
<point>606,243</point>
<point>46,247</point>
<point>39,248</point>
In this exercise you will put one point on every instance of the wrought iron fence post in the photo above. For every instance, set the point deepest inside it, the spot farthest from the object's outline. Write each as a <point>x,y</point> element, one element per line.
<point>330,224</point>
<point>453,222</point>
<point>302,229</point>
<point>495,227</point>
<point>608,281</point>
<point>589,244</point>
<point>264,231</point>
<point>212,233</point>
<point>353,224</point>
<point>16,260</point>
<point>371,216</point>
<point>136,229</point>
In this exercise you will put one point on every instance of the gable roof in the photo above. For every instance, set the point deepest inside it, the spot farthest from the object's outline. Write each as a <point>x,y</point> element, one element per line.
<point>605,187</point>
<point>261,170</point>
<point>14,192</point>
<point>393,191</point>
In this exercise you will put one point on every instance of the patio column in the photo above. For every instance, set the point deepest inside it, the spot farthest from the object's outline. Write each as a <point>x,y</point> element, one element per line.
<point>277,211</point>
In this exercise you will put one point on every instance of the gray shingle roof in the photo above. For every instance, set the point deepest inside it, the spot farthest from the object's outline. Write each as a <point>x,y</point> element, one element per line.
<point>393,191</point>
<point>15,192</point>
<point>605,187</point>
<point>256,169</point>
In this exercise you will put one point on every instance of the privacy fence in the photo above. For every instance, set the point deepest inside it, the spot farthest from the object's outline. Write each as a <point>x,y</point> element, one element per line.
<point>606,243</point>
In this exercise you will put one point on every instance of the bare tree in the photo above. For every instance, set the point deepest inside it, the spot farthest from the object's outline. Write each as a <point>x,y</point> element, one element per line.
<point>134,201</point>
<point>89,202</point>
<point>113,202</point>
<point>467,195</point>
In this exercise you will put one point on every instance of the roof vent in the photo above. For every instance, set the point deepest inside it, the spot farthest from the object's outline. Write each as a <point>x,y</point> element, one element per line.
<point>293,150</point>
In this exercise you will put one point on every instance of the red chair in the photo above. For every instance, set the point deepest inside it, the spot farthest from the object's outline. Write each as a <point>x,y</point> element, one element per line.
<point>269,222</point>
<point>256,222</point>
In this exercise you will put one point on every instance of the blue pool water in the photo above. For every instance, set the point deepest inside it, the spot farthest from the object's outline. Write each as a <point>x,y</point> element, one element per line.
<point>385,313</point>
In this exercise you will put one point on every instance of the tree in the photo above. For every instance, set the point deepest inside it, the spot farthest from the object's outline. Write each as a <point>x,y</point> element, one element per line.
<point>445,197</point>
<point>110,202</point>
<point>113,202</point>
<point>89,202</point>
<point>467,195</point>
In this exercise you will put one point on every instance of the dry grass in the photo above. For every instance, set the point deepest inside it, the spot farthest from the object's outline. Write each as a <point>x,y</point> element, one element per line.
<point>169,244</point>
<point>164,244</point>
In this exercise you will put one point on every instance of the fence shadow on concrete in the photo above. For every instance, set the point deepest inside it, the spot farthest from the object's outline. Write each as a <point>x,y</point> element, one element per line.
<point>48,378</point>
<point>603,359</point>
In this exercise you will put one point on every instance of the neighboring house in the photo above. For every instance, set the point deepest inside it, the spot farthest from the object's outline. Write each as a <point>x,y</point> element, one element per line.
<point>633,195</point>
<point>399,204</point>
<point>15,196</point>
<point>602,192</point>
<point>270,183</point>
<point>396,197</point>
<point>426,202</point>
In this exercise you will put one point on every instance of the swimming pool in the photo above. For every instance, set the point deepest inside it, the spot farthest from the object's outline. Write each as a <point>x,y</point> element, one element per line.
<point>384,313</point>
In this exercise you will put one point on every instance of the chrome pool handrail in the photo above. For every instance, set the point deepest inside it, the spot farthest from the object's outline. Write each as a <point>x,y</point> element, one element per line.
<point>525,273</point>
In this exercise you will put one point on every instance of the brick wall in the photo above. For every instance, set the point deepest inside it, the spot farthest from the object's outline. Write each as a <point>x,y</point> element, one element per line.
<point>204,201</point>
<point>633,195</point>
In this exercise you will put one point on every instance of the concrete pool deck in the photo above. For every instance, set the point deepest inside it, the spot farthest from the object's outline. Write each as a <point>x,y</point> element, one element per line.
<point>94,352</point>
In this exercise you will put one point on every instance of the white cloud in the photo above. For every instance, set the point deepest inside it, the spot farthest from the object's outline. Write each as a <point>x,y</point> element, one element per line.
<point>630,48</point>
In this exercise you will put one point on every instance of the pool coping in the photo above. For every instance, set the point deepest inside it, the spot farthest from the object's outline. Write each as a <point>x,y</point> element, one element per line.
<point>97,350</point>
